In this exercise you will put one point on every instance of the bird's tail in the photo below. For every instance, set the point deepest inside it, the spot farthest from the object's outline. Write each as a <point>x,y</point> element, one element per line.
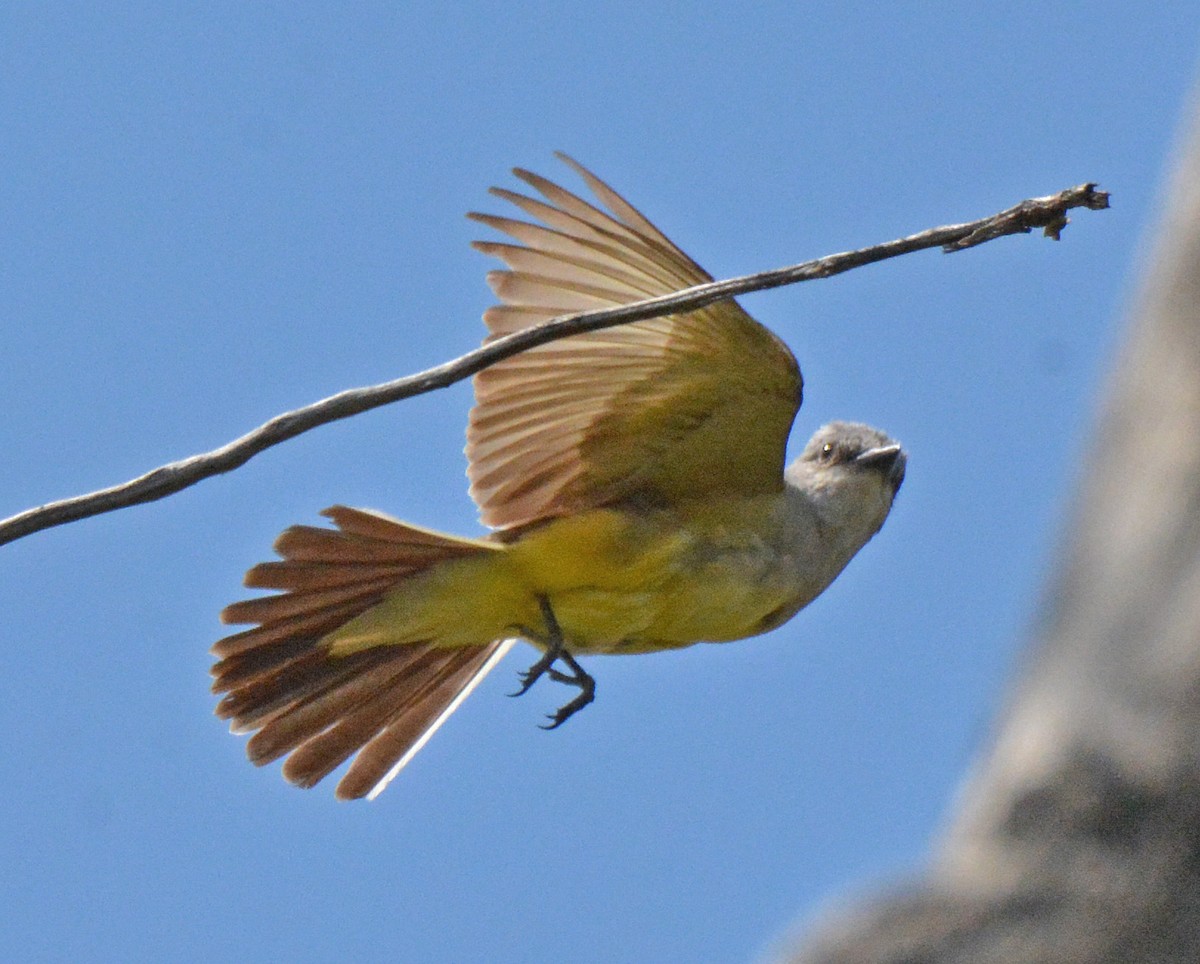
<point>320,700</point>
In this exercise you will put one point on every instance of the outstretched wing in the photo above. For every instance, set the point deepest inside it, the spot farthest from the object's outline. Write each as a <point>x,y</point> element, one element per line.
<point>657,411</point>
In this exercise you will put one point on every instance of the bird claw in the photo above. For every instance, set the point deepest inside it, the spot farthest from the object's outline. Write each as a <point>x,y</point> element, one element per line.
<point>560,716</point>
<point>535,672</point>
<point>555,651</point>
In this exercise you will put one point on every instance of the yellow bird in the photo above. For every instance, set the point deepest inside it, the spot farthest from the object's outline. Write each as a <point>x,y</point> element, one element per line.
<point>634,482</point>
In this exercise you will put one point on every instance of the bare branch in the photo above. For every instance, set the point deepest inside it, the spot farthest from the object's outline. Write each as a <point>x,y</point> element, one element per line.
<point>1048,213</point>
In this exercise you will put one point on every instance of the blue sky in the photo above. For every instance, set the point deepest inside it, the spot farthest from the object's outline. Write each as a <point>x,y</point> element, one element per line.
<point>215,213</point>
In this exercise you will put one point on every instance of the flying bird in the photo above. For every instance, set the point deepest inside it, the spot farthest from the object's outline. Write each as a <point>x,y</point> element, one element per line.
<point>634,483</point>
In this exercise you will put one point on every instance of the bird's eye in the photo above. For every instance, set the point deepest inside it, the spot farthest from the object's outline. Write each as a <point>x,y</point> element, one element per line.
<point>827,451</point>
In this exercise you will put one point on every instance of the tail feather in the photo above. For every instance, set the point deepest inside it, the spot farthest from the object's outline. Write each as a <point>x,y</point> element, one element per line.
<point>314,623</point>
<point>298,602</point>
<point>268,664</point>
<point>260,685</point>
<point>319,754</point>
<point>333,705</point>
<point>311,544</point>
<point>381,703</point>
<point>376,525</point>
<point>314,576</point>
<point>385,756</point>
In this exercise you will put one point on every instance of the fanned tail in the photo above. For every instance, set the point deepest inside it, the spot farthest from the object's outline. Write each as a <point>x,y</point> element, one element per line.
<point>384,702</point>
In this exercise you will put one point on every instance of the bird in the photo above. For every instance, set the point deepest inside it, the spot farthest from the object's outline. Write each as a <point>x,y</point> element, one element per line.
<point>634,486</point>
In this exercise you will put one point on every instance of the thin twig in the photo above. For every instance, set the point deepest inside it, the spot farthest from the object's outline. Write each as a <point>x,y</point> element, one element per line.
<point>1047,213</point>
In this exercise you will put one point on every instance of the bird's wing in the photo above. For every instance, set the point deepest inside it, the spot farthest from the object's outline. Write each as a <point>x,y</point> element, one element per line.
<point>656,411</point>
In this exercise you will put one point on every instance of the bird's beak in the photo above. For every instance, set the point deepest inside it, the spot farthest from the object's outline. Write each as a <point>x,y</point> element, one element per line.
<point>888,460</point>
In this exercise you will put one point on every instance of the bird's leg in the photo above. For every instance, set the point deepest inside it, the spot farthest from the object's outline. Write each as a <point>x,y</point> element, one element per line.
<point>553,645</point>
<point>578,677</point>
<point>556,651</point>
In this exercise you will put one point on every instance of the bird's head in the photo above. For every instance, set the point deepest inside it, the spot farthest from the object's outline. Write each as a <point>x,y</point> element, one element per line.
<point>851,473</point>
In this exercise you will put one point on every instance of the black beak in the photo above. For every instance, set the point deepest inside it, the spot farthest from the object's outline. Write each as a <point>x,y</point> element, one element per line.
<point>889,460</point>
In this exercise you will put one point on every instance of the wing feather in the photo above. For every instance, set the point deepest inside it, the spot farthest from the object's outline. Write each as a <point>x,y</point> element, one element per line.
<point>666,409</point>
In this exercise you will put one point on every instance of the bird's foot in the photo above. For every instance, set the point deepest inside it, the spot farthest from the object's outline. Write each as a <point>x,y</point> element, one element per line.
<point>577,677</point>
<point>556,651</point>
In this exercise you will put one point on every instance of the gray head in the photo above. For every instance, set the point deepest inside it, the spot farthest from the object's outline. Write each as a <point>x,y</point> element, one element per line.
<point>857,447</point>
<point>850,473</point>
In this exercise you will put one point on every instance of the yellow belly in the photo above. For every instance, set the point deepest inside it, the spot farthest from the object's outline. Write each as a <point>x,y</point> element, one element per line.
<point>620,582</point>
